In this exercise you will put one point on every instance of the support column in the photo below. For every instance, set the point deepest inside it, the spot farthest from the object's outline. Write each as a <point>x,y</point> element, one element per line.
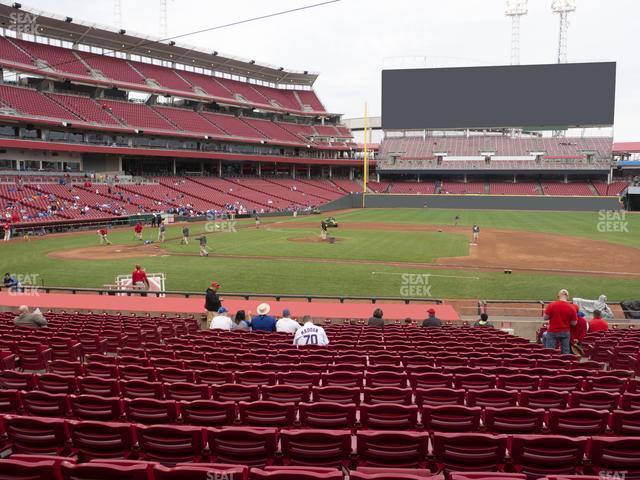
<point>259,169</point>
<point>465,178</point>
<point>201,167</point>
<point>40,165</point>
<point>219,168</point>
<point>309,172</point>
<point>330,172</point>
<point>293,171</point>
<point>351,175</point>
<point>566,178</point>
<point>514,178</point>
<point>174,168</point>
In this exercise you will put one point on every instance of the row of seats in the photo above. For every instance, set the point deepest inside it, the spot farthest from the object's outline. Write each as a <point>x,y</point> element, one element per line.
<point>39,467</point>
<point>214,386</point>
<point>570,421</point>
<point>172,444</point>
<point>93,66</point>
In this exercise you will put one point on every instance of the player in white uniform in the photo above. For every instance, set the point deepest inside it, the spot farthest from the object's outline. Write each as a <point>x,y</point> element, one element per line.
<point>310,334</point>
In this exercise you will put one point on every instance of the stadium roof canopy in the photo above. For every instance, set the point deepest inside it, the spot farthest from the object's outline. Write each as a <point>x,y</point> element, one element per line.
<point>626,147</point>
<point>69,29</point>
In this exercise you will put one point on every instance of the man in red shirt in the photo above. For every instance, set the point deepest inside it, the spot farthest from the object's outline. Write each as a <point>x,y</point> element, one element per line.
<point>597,323</point>
<point>578,332</point>
<point>561,315</point>
<point>139,280</point>
<point>138,231</point>
<point>103,237</point>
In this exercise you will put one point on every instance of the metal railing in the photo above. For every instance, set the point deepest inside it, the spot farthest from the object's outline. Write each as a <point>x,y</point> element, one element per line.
<point>245,295</point>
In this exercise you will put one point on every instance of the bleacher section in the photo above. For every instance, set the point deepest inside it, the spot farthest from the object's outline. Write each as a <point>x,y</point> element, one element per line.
<point>102,68</point>
<point>569,148</point>
<point>443,400</point>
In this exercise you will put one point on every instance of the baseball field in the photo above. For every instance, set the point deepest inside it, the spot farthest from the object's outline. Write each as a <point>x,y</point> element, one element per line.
<point>377,252</point>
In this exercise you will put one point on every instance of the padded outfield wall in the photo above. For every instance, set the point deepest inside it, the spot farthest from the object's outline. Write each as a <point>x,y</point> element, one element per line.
<point>478,202</point>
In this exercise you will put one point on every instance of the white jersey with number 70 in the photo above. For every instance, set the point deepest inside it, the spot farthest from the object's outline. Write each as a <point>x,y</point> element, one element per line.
<point>310,334</point>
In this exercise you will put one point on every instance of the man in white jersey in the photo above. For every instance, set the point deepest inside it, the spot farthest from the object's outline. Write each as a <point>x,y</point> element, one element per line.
<point>310,334</point>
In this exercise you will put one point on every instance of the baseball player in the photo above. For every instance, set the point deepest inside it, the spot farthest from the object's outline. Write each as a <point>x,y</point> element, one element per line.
<point>475,231</point>
<point>456,219</point>
<point>138,231</point>
<point>257,221</point>
<point>323,230</point>
<point>7,231</point>
<point>203,246</point>
<point>185,236</point>
<point>103,237</point>
<point>161,231</point>
<point>310,334</point>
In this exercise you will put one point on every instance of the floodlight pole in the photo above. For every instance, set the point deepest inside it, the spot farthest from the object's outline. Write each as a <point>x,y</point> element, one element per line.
<point>515,9</point>
<point>117,13</point>
<point>563,8</point>
<point>164,20</point>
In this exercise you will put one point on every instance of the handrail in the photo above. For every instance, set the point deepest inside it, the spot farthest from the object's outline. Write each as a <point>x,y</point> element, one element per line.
<point>245,295</point>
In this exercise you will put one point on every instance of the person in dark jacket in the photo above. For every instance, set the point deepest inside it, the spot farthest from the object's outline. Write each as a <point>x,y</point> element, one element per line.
<point>432,320</point>
<point>212,303</point>
<point>376,320</point>
<point>483,321</point>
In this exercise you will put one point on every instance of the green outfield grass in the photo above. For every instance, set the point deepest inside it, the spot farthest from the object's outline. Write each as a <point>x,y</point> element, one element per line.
<point>316,268</point>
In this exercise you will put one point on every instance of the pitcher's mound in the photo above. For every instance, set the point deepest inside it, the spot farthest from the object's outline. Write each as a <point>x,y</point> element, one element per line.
<point>313,239</point>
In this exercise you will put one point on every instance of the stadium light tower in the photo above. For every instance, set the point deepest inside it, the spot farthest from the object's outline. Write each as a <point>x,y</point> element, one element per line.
<point>563,8</point>
<point>117,13</point>
<point>164,19</point>
<point>515,9</point>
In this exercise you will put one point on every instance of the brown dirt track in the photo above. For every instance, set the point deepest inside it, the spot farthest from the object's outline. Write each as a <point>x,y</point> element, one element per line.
<point>497,250</point>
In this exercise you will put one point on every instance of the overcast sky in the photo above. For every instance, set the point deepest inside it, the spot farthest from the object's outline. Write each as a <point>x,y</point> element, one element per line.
<point>349,42</point>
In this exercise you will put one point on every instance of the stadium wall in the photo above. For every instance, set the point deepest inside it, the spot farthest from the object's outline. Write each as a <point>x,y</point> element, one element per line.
<point>475,202</point>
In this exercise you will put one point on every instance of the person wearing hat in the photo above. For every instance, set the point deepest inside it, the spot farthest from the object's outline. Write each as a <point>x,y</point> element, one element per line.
<point>376,320</point>
<point>222,321</point>
<point>432,320</point>
<point>212,303</point>
<point>286,323</point>
<point>483,321</point>
<point>263,321</point>
<point>560,316</point>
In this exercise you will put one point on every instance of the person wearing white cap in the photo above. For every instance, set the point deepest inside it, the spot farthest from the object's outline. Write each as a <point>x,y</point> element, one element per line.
<point>222,321</point>
<point>263,321</point>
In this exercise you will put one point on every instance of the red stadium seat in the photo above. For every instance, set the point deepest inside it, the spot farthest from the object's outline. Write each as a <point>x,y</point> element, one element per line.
<point>578,421</point>
<point>200,471</point>
<point>322,448</point>
<point>105,387</point>
<point>389,416</point>
<point>235,393</point>
<point>29,470</point>
<point>387,395</point>
<point>626,423</point>
<point>267,414</point>
<point>513,420</point>
<point>9,401</point>
<point>182,391</point>
<point>451,418</point>
<point>286,393</point>
<point>210,413</point>
<point>100,471</point>
<point>170,444</point>
<point>53,383</point>
<point>518,382</point>
<point>102,440</point>
<point>43,404</point>
<point>392,449</point>
<point>151,411</point>
<point>94,407</point>
<point>37,436</point>
<point>459,452</point>
<point>295,473</point>
<point>476,381</point>
<point>540,455</point>
<point>615,454</point>
<point>439,396</point>
<point>141,389</point>
<point>431,380</point>
<point>597,400</point>
<point>336,394</point>
<point>373,473</point>
<point>325,415</point>
<point>492,398</point>
<point>255,447</point>
<point>545,399</point>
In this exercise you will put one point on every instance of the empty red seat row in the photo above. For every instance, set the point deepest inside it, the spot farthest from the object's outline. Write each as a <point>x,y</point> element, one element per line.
<point>283,412</point>
<point>533,455</point>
